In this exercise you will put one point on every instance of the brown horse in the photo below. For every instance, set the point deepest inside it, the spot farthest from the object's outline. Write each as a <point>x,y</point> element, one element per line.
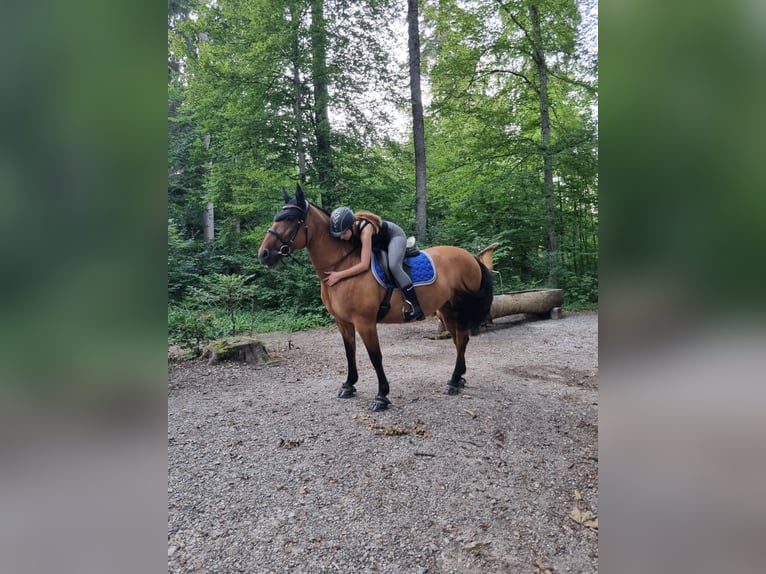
<point>462,291</point>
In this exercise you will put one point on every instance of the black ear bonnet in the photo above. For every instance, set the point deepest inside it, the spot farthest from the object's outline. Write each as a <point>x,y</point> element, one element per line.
<point>292,211</point>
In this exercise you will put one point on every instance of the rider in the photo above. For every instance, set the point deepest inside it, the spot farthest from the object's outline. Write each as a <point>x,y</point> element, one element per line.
<point>374,232</point>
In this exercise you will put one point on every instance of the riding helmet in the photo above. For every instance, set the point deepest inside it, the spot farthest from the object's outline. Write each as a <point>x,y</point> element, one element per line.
<point>341,221</point>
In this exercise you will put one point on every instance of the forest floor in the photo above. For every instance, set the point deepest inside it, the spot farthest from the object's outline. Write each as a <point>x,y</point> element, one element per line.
<point>268,471</point>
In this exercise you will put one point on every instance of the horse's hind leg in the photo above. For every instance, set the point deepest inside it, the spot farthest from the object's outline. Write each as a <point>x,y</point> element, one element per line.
<point>369,334</point>
<point>348,333</point>
<point>460,338</point>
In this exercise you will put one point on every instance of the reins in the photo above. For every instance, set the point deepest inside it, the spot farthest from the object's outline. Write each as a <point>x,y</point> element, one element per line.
<point>338,262</point>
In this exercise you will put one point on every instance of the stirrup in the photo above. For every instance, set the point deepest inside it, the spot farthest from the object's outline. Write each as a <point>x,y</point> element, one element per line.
<point>412,314</point>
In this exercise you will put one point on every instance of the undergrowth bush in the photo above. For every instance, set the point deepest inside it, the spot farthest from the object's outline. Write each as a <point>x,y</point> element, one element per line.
<point>580,291</point>
<point>192,328</point>
<point>227,292</point>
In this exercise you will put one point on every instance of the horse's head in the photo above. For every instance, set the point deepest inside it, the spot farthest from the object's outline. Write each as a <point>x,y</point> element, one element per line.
<point>282,238</point>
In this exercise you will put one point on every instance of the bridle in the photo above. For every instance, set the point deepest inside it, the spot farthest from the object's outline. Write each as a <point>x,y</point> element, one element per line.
<point>286,247</point>
<point>288,212</point>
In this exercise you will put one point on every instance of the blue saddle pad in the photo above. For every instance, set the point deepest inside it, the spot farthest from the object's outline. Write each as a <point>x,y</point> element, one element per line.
<point>422,270</point>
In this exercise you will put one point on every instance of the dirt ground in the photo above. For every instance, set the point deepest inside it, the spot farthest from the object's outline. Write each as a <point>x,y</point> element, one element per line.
<point>268,471</point>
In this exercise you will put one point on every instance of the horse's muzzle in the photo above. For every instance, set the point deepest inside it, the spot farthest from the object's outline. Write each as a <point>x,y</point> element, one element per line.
<point>269,257</point>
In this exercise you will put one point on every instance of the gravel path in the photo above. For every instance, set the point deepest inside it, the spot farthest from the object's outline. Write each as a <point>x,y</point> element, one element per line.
<point>269,472</point>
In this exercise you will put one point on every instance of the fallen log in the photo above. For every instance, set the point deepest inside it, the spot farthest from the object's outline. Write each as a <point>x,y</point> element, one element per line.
<point>533,301</point>
<point>541,302</point>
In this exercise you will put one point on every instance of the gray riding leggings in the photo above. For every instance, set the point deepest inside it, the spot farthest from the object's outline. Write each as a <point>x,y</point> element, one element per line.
<point>396,248</point>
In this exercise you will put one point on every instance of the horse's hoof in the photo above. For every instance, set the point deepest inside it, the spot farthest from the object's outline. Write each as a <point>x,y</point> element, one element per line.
<point>453,387</point>
<point>346,392</point>
<point>380,404</point>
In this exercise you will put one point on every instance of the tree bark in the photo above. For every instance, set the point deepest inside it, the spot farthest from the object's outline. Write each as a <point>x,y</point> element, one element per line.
<point>244,350</point>
<point>209,223</point>
<point>536,301</point>
<point>418,125</point>
<point>300,148</point>
<point>323,159</point>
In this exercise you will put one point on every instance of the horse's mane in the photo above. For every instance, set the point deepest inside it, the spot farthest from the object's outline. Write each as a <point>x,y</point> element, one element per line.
<point>320,208</point>
<point>354,242</point>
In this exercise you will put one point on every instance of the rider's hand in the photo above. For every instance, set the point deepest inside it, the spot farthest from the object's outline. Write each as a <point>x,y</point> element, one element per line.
<point>332,278</point>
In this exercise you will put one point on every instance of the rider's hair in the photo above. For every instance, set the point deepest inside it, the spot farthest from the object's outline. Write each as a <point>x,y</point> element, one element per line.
<point>371,218</point>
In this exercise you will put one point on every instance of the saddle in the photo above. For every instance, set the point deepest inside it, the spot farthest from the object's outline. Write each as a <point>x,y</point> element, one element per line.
<point>417,264</point>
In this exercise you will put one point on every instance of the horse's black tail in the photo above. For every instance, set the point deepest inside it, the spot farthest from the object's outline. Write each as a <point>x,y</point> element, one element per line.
<point>472,307</point>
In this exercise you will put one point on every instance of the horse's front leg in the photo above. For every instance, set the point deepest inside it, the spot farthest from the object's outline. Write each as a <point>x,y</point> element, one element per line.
<point>348,333</point>
<point>369,334</point>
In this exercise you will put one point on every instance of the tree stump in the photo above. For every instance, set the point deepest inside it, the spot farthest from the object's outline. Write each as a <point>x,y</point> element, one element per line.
<point>243,350</point>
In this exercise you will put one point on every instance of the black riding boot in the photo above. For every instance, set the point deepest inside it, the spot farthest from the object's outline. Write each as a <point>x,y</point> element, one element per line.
<point>415,312</point>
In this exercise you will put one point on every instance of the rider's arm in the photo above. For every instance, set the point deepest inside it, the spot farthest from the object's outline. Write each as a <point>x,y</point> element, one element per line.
<point>364,264</point>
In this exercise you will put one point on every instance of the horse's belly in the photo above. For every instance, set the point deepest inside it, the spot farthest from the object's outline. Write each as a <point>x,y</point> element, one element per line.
<point>354,298</point>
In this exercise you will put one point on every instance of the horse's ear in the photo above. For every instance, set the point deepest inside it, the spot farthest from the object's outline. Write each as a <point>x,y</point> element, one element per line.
<point>299,197</point>
<point>286,195</point>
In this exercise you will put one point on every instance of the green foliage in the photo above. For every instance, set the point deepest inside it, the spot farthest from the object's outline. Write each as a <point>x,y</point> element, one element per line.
<point>183,264</point>
<point>485,146</point>
<point>190,328</point>
<point>580,291</point>
<point>228,292</point>
<point>291,320</point>
<point>238,119</point>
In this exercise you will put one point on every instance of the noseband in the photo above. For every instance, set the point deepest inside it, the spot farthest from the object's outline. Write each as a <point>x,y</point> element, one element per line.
<point>288,211</point>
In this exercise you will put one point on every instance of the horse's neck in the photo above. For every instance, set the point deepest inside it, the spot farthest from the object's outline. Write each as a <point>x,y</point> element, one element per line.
<point>325,253</point>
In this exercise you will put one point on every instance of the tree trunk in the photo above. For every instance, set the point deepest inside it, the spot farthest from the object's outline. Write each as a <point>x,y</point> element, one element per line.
<point>323,159</point>
<point>535,301</point>
<point>418,127</point>
<point>209,223</point>
<point>300,148</point>
<point>543,303</point>
<point>545,131</point>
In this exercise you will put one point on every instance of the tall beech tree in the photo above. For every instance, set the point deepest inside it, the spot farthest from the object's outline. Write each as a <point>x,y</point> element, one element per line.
<point>418,126</point>
<point>320,76</point>
<point>510,70</point>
